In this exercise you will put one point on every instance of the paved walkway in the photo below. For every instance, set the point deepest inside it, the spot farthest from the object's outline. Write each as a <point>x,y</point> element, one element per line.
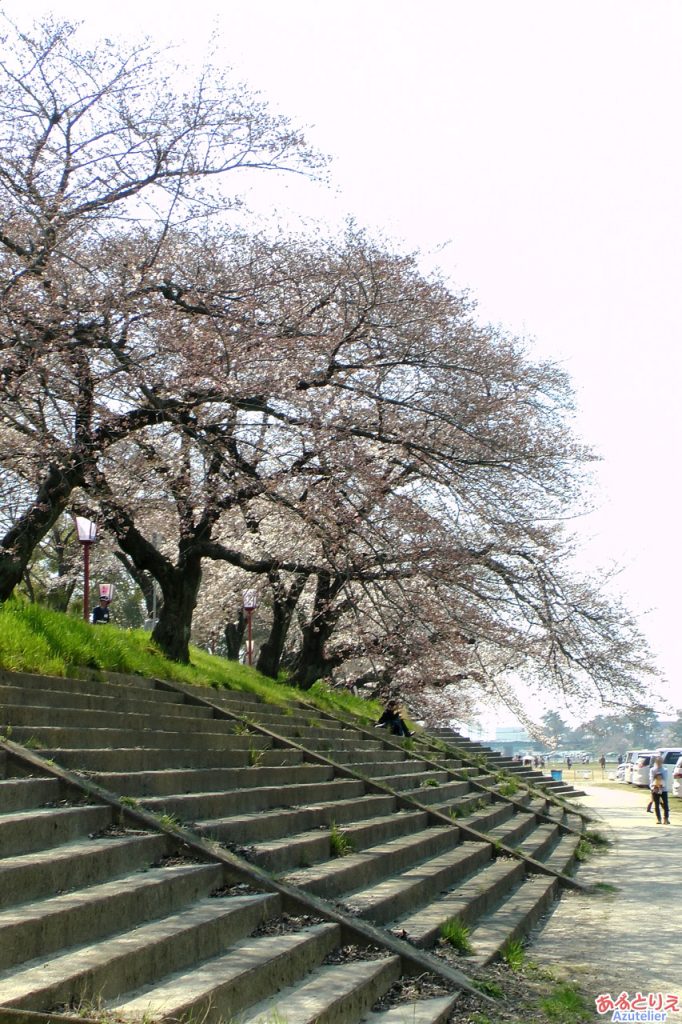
<point>630,940</point>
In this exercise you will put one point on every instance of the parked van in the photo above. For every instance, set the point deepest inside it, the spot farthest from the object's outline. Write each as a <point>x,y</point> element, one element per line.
<point>677,778</point>
<point>670,756</point>
<point>624,772</point>
<point>639,773</point>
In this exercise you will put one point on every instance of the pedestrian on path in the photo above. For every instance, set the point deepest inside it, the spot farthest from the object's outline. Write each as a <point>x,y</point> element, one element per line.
<point>659,790</point>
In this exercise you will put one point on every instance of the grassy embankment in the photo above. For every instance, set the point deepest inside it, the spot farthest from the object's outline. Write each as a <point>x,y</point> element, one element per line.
<point>35,639</point>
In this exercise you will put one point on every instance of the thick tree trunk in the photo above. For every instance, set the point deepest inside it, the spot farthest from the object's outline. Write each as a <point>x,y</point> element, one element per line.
<point>180,588</point>
<point>311,662</point>
<point>20,541</point>
<point>233,636</point>
<point>283,605</point>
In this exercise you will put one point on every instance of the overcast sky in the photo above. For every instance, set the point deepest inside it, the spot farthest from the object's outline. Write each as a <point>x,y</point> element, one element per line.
<point>531,149</point>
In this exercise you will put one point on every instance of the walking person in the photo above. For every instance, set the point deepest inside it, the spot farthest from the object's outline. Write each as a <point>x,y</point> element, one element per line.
<point>659,790</point>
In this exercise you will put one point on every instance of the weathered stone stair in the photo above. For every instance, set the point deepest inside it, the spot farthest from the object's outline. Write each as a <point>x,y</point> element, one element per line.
<point>99,909</point>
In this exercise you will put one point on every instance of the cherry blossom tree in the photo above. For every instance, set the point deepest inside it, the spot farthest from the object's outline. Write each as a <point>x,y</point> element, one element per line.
<point>107,168</point>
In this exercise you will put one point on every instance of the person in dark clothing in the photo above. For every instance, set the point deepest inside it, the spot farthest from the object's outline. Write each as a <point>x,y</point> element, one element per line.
<point>391,719</point>
<point>100,614</point>
<point>659,790</point>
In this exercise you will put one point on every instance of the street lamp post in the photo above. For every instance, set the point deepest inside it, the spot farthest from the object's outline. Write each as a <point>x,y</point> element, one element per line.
<point>250,603</point>
<point>87,535</point>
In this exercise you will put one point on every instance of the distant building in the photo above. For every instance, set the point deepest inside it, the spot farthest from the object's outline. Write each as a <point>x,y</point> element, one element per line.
<point>511,734</point>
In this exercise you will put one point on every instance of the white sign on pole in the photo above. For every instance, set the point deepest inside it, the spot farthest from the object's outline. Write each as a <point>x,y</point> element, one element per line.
<point>250,600</point>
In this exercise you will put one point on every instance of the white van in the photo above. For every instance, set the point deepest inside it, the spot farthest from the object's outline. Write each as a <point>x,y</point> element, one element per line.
<point>639,773</point>
<point>670,756</point>
<point>624,771</point>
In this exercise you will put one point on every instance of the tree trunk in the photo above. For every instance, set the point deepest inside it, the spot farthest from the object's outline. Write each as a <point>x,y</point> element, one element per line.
<point>283,605</point>
<point>21,539</point>
<point>180,588</point>
<point>311,662</point>
<point>233,636</point>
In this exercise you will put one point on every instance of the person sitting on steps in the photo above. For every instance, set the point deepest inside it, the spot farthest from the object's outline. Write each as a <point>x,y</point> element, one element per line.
<point>391,719</point>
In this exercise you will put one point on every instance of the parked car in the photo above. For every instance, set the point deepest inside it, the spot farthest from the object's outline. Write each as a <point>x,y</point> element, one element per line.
<point>677,778</point>
<point>624,770</point>
<point>639,773</point>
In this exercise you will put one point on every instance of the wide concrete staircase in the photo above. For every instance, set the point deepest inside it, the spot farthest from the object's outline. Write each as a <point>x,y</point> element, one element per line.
<point>178,853</point>
<point>469,749</point>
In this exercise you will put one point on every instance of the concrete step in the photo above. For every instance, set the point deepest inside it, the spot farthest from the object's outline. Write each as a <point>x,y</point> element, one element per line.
<point>81,917</point>
<point>135,759</point>
<point>75,865</point>
<point>374,864</point>
<point>540,842</point>
<point>254,968</point>
<point>358,756</point>
<point>513,919</point>
<point>135,721</point>
<point>334,994</point>
<point>305,848</point>
<point>48,737</point>
<point>24,832</point>
<point>420,1011</point>
<point>144,702</point>
<point>395,897</point>
<point>261,826</point>
<point>514,830</point>
<point>136,687</point>
<point>209,780</point>
<point>199,806</point>
<point>125,962</point>
<point>22,794</point>
<point>486,818</point>
<point>562,854</point>
<point>470,900</point>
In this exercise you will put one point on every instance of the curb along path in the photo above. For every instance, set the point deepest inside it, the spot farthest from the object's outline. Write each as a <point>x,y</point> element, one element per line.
<point>629,940</point>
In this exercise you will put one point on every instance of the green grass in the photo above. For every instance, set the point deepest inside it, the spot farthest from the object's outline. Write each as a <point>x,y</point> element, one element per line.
<point>566,1006</point>
<point>456,934</point>
<point>339,843</point>
<point>36,639</point>
<point>513,954</point>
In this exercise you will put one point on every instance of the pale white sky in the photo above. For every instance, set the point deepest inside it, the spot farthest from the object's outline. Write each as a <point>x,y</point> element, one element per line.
<point>531,148</point>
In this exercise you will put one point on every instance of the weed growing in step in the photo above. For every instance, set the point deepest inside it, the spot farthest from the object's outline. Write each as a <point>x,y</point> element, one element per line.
<point>489,988</point>
<point>339,843</point>
<point>606,887</point>
<point>513,954</point>
<point>256,756</point>
<point>241,729</point>
<point>128,801</point>
<point>508,788</point>
<point>169,821</point>
<point>33,743</point>
<point>456,933</point>
<point>428,782</point>
<point>583,850</point>
<point>455,813</point>
<point>6,732</point>
<point>566,1005</point>
<point>597,839</point>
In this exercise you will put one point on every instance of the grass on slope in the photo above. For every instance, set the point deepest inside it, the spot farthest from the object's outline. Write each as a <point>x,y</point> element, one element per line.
<point>36,639</point>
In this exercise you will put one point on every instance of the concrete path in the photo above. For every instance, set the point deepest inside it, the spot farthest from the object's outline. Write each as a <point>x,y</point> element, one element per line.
<point>631,940</point>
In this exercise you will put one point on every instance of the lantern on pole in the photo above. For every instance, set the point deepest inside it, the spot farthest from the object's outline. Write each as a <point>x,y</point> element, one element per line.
<point>87,535</point>
<point>249,603</point>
